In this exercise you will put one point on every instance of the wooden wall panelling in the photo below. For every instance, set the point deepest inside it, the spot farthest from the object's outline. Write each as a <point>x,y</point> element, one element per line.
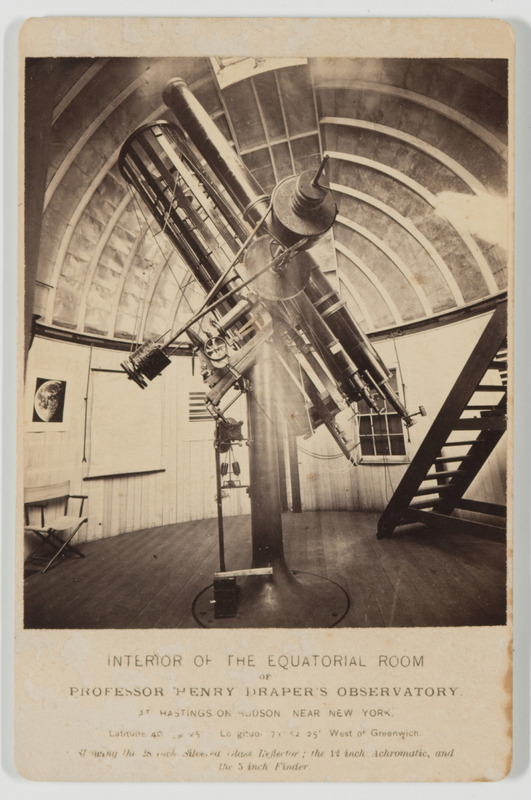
<point>137,501</point>
<point>130,504</point>
<point>167,479</point>
<point>186,489</point>
<point>428,380</point>
<point>117,505</point>
<point>55,454</point>
<point>53,451</point>
<point>158,499</point>
<point>107,507</point>
<point>94,489</point>
<point>147,512</point>
<point>490,485</point>
<point>182,446</point>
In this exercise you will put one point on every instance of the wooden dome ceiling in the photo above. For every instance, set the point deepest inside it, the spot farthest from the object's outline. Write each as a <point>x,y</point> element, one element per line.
<point>418,167</point>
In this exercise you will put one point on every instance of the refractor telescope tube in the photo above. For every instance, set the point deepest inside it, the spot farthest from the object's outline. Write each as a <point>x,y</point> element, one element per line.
<point>247,193</point>
<point>230,170</point>
<point>301,208</point>
<point>341,322</point>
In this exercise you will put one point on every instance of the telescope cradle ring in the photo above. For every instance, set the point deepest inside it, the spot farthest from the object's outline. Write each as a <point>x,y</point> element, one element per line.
<point>133,136</point>
<point>283,283</point>
<point>247,210</point>
<point>317,220</point>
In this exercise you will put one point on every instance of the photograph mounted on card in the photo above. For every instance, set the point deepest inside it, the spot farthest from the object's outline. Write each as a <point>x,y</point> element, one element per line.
<point>272,292</point>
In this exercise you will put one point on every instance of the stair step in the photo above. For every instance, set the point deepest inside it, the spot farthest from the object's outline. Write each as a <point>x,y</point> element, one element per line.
<point>449,459</point>
<point>432,490</point>
<point>427,492</point>
<point>465,443</point>
<point>480,424</point>
<point>439,475</point>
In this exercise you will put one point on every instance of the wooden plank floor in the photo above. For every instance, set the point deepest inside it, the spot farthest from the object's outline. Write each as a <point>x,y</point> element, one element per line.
<point>149,579</point>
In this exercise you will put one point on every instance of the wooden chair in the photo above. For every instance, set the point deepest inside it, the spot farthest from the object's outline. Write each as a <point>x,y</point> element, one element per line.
<point>56,530</point>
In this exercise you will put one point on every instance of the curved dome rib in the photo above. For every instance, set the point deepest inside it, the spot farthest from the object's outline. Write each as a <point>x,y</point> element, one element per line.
<point>488,138</point>
<point>419,237</point>
<point>369,274</point>
<point>467,239</point>
<point>76,216</point>
<point>419,144</point>
<point>388,251</point>
<point>412,144</point>
<point>87,135</point>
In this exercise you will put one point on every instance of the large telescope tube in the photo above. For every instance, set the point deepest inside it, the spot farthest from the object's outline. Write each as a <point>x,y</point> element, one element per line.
<point>227,166</point>
<point>301,207</point>
<point>341,322</point>
<point>211,206</point>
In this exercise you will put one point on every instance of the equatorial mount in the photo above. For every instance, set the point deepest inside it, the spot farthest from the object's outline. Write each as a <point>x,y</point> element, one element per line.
<point>269,303</point>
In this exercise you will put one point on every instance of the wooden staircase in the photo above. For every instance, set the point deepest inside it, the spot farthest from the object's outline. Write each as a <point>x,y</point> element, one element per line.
<point>463,435</point>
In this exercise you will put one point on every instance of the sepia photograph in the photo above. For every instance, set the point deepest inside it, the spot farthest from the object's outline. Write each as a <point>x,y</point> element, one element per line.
<point>276,290</point>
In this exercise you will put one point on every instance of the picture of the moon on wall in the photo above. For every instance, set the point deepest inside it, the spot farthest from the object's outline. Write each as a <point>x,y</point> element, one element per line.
<point>49,400</point>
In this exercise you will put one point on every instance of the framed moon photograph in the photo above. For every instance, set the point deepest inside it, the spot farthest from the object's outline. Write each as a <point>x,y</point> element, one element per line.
<point>49,401</point>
